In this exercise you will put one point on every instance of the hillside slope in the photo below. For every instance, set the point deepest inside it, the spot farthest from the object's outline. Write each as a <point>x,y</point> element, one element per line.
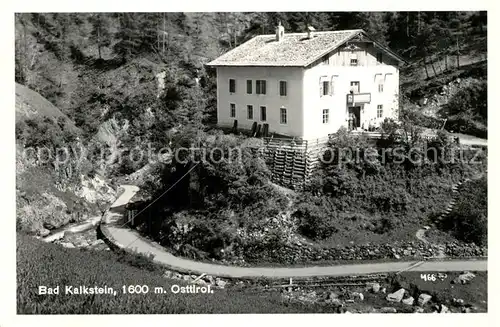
<point>50,195</point>
<point>30,104</point>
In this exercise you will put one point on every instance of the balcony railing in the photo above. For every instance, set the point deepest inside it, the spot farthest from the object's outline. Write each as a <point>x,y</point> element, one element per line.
<point>358,98</point>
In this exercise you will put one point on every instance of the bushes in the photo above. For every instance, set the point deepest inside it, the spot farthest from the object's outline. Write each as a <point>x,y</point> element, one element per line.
<point>467,109</point>
<point>469,219</point>
<point>315,220</point>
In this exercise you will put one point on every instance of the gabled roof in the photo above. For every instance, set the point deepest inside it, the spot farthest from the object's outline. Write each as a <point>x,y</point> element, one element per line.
<point>296,49</point>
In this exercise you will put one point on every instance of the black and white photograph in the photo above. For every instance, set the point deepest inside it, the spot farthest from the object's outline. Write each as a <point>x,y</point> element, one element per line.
<point>257,162</point>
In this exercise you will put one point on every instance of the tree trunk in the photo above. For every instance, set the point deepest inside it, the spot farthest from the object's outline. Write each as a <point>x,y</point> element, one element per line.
<point>458,55</point>
<point>99,41</point>
<point>425,67</point>
<point>446,62</point>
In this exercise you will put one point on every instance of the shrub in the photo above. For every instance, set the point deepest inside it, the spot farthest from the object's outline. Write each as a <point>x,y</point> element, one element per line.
<point>315,220</point>
<point>468,221</point>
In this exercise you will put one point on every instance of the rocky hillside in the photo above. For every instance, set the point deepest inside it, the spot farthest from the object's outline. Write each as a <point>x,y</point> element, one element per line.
<point>49,193</point>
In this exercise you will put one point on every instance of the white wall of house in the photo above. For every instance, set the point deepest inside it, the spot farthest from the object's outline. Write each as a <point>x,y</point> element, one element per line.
<point>368,73</point>
<point>271,100</point>
<point>304,102</point>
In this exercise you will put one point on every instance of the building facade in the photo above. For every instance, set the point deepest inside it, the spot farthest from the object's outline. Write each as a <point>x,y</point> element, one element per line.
<point>308,85</point>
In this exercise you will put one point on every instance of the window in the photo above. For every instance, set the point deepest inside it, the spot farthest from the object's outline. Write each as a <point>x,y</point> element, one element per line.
<point>232,111</point>
<point>260,87</point>
<point>232,86</point>
<point>381,88</point>
<point>380,111</point>
<point>249,86</point>
<point>326,114</point>
<point>326,88</point>
<point>249,111</point>
<point>283,116</point>
<point>379,57</point>
<point>354,61</point>
<point>282,88</point>
<point>355,87</point>
<point>263,113</point>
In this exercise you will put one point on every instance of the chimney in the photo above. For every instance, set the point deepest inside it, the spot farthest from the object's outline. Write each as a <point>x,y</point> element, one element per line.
<point>280,32</point>
<point>310,32</point>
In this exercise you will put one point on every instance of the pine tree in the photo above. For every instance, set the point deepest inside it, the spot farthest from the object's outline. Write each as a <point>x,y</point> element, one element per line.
<point>100,34</point>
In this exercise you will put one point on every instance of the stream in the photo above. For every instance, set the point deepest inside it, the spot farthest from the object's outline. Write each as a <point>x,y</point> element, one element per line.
<point>77,235</point>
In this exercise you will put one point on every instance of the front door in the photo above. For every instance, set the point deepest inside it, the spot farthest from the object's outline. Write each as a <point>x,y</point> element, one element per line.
<point>354,117</point>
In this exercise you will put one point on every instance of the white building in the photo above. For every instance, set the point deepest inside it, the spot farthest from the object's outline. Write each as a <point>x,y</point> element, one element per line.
<point>307,85</point>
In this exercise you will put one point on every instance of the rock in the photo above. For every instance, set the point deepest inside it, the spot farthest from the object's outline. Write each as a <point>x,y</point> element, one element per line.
<point>444,309</point>
<point>68,245</point>
<point>336,302</point>
<point>423,299</point>
<point>383,290</point>
<point>168,274</point>
<point>464,278</point>
<point>408,301</point>
<point>332,295</point>
<point>43,232</point>
<point>220,283</point>
<point>396,296</point>
<point>388,310</point>
<point>97,242</point>
<point>374,287</point>
<point>201,282</point>
<point>209,279</point>
<point>186,277</point>
<point>419,310</point>
<point>397,256</point>
<point>466,310</point>
<point>458,301</point>
<point>358,295</point>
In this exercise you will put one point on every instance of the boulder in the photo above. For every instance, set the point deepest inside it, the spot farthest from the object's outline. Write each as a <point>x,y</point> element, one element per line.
<point>374,287</point>
<point>423,299</point>
<point>408,301</point>
<point>357,295</point>
<point>388,310</point>
<point>97,242</point>
<point>419,310</point>
<point>220,283</point>
<point>444,309</point>
<point>43,232</point>
<point>383,290</point>
<point>396,296</point>
<point>68,245</point>
<point>209,279</point>
<point>464,278</point>
<point>336,302</point>
<point>458,301</point>
<point>332,295</point>
<point>168,274</point>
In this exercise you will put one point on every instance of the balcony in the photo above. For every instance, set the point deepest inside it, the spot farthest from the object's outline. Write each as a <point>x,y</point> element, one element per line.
<point>358,98</point>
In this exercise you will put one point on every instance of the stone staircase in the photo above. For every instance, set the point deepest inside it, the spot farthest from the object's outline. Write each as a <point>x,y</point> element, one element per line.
<point>455,192</point>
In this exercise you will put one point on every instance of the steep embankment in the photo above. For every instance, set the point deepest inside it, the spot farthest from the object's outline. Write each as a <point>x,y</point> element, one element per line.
<point>49,195</point>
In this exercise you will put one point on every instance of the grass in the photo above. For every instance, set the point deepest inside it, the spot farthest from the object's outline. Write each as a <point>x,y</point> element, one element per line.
<point>40,263</point>
<point>30,104</point>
